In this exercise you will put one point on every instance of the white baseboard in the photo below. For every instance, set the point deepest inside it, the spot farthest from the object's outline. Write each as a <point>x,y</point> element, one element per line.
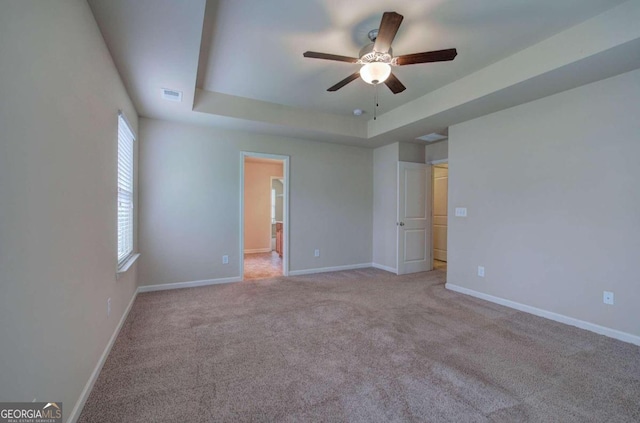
<point>328,269</point>
<point>191,284</point>
<point>258,250</point>
<point>611,333</point>
<point>77,409</point>
<point>387,268</point>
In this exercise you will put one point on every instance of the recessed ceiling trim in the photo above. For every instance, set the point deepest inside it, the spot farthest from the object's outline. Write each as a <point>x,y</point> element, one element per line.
<point>263,111</point>
<point>537,61</point>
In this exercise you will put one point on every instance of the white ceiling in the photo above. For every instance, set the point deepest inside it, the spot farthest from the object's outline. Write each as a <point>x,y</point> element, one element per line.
<point>240,63</point>
<point>257,45</point>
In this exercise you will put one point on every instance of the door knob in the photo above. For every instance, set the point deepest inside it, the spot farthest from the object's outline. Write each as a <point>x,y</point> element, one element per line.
<point>401,223</point>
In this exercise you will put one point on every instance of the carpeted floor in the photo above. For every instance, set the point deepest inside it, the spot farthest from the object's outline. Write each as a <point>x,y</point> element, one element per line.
<point>357,346</point>
<point>262,265</point>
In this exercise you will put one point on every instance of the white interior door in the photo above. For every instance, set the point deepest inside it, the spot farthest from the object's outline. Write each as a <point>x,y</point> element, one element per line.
<point>414,217</point>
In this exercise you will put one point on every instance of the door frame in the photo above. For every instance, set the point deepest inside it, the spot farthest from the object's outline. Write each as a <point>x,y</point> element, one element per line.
<point>285,207</point>
<point>433,164</point>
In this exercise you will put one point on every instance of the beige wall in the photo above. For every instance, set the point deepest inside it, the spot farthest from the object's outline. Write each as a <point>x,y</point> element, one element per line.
<point>58,147</point>
<point>553,203</point>
<point>257,204</point>
<point>410,152</point>
<point>330,201</point>
<point>436,151</point>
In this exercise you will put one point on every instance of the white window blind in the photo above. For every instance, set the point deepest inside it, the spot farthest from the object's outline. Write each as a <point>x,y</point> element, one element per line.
<point>125,189</point>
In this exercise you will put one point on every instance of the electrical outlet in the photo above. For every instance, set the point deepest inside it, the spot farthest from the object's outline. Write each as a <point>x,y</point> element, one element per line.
<point>225,259</point>
<point>607,297</point>
<point>108,307</point>
<point>481,271</point>
<point>316,253</point>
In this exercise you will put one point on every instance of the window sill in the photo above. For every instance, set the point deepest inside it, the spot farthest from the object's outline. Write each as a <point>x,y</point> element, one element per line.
<point>126,265</point>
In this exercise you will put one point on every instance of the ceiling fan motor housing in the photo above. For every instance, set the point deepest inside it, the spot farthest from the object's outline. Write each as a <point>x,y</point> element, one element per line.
<point>369,55</point>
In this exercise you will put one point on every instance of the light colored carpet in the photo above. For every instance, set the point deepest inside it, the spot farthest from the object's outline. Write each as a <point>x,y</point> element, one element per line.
<point>357,346</point>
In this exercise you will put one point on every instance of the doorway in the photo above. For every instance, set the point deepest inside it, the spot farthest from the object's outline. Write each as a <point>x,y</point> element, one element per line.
<point>264,216</point>
<point>440,214</point>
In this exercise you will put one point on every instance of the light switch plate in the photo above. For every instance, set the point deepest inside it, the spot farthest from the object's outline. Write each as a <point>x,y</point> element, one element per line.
<point>607,297</point>
<point>461,212</point>
<point>481,271</point>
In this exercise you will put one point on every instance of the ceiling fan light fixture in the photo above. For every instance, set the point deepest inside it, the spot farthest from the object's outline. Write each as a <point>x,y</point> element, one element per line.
<point>375,73</point>
<point>377,57</point>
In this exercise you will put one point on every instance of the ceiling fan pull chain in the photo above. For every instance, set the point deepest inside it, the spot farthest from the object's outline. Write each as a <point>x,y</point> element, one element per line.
<point>375,99</point>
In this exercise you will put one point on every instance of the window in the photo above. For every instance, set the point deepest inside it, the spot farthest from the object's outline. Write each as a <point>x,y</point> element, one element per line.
<point>273,205</point>
<point>125,190</point>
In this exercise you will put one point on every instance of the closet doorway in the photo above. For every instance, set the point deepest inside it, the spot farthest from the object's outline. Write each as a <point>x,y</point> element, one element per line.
<point>264,216</point>
<point>440,214</point>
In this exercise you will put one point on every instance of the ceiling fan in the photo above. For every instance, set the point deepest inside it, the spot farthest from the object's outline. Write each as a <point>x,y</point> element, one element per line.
<point>377,58</point>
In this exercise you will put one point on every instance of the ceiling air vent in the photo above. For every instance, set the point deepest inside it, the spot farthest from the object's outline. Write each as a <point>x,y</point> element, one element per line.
<point>433,137</point>
<point>171,95</point>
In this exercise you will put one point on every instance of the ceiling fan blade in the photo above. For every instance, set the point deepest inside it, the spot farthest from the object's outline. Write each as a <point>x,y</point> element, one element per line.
<point>394,84</point>
<point>426,57</point>
<point>316,55</point>
<point>345,81</point>
<point>386,33</point>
